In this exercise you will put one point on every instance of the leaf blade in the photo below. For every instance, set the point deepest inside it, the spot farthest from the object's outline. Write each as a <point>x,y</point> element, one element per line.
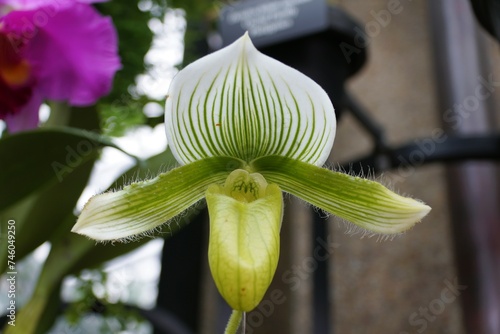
<point>57,152</point>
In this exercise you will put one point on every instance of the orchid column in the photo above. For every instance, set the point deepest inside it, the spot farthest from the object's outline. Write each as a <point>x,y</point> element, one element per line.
<point>245,128</point>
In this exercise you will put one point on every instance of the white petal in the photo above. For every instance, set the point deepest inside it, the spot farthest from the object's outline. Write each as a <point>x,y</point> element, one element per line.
<point>238,102</point>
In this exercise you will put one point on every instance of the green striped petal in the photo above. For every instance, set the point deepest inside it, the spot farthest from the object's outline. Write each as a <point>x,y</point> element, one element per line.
<point>243,250</point>
<point>240,103</point>
<point>365,203</point>
<point>143,206</point>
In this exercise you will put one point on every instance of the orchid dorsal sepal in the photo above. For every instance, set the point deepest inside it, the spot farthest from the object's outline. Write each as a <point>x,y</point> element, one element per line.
<point>239,102</point>
<point>245,221</point>
<point>366,203</point>
<point>143,206</point>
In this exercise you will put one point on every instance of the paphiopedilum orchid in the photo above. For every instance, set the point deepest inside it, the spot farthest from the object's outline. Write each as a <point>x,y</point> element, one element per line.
<point>245,129</point>
<point>61,50</point>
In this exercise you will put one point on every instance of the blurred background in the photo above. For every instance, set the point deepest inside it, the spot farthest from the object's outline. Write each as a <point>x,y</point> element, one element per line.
<point>400,74</point>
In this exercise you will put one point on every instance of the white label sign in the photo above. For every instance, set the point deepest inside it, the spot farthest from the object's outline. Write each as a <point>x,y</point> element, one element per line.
<point>272,21</point>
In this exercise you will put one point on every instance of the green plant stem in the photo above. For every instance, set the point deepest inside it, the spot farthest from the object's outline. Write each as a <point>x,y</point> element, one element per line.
<point>234,322</point>
<point>59,114</point>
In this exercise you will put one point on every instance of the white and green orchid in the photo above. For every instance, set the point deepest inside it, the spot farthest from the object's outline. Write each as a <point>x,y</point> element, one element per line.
<point>246,128</point>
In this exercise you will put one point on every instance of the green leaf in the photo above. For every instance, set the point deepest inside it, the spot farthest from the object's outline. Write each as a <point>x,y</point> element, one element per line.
<point>64,252</point>
<point>14,216</point>
<point>365,203</point>
<point>143,206</point>
<point>31,160</point>
<point>48,211</point>
<point>240,103</point>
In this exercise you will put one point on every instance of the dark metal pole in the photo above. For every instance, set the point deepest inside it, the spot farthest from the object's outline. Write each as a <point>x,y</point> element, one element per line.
<point>473,186</point>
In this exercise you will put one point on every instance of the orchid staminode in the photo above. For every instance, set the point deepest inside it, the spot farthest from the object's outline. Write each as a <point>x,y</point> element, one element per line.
<point>246,128</point>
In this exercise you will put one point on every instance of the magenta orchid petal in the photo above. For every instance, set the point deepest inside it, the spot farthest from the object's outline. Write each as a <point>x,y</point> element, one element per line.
<point>12,99</point>
<point>52,4</point>
<point>62,50</point>
<point>27,118</point>
<point>74,52</point>
<point>8,3</point>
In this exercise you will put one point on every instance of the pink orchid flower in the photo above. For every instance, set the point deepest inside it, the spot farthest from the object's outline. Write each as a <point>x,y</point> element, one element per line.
<point>62,50</point>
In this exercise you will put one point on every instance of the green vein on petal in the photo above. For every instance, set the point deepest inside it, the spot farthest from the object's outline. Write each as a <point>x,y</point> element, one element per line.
<point>143,206</point>
<point>363,202</point>
<point>238,102</point>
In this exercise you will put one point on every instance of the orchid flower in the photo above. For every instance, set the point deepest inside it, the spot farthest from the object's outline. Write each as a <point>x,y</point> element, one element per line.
<point>58,50</point>
<point>246,128</point>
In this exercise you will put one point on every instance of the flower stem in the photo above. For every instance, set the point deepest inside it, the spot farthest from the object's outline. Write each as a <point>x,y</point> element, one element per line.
<point>234,322</point>
<point>59,114</point>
